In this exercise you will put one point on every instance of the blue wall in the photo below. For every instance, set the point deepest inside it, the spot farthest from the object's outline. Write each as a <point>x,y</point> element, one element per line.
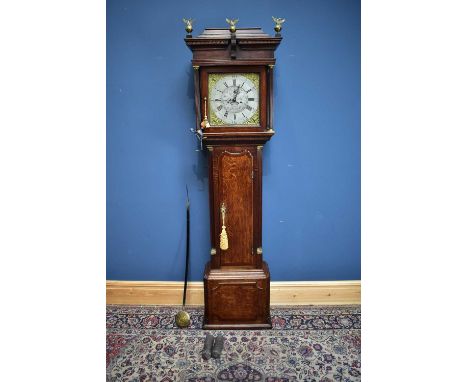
<point>311,193</point>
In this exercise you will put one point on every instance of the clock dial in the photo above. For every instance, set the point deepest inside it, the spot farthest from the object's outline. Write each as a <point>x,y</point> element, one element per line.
<point>234,99</point>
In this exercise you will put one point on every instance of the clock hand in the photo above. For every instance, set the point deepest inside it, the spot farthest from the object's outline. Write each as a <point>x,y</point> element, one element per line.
<point>236,93</point>
<point>232,100</point>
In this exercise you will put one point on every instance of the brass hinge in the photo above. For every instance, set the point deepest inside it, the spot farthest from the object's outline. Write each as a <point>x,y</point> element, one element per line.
<point>213,251</point>
<point>259,251</point>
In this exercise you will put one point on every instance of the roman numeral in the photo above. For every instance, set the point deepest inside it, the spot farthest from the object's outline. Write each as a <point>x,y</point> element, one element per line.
<point>249,108</point>
<point>220,107</point>
<point>250,99</point>
<point>248,90</point>
<point>226,114</point>
<point>235,117</point>
<point>234,81</point>
<point>225,84</point>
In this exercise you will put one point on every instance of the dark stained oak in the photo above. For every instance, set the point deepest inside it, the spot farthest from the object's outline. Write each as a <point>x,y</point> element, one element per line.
<point>238,298</point>
<point>236,191</point>
<point>213,47</point>
<point>236,280</point>
<point>235,179</point>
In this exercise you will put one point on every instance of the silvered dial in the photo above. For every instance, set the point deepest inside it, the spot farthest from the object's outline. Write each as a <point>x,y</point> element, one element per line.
<point>234,99</point>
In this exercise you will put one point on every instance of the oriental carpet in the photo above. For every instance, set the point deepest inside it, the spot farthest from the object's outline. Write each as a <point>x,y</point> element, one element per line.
<point>307,343</point>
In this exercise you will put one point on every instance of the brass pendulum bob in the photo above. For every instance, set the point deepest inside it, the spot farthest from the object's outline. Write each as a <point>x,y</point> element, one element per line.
<point>182,318</point>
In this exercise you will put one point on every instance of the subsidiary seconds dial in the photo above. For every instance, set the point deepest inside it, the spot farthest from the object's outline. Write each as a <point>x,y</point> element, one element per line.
<point>234,99</point>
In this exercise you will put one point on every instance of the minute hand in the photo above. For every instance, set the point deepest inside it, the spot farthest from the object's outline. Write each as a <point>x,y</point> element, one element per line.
<point>236,93</point>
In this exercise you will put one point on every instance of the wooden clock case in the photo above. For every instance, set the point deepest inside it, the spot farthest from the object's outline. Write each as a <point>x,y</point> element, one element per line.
<point>236,280</point>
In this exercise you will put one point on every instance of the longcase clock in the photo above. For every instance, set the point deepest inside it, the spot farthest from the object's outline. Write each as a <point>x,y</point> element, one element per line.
<point>233,76</point>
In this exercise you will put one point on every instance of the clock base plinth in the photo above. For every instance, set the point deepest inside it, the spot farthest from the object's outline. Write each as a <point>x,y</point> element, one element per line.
<point>237,298</point>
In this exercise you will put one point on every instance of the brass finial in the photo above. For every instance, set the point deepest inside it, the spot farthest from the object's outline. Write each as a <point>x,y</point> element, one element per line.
<point>232,24</point>
<point>205,122</point>
<point>278,23</point>
<point>188,25</point>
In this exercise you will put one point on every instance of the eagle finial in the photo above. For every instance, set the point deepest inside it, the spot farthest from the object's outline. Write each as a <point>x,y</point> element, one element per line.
<point>188,25</point>
<point>278,23</point>
<point>232,24</point>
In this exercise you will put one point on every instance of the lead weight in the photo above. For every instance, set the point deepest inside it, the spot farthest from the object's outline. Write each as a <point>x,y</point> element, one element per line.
<point>218,346</point>
<point>206,352</point>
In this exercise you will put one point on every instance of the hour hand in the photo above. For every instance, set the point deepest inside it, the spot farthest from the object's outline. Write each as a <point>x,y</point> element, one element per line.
<point>236,93</point>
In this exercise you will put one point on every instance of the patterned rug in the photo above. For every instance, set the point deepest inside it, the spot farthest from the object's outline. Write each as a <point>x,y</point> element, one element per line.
<point>312,343</point>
